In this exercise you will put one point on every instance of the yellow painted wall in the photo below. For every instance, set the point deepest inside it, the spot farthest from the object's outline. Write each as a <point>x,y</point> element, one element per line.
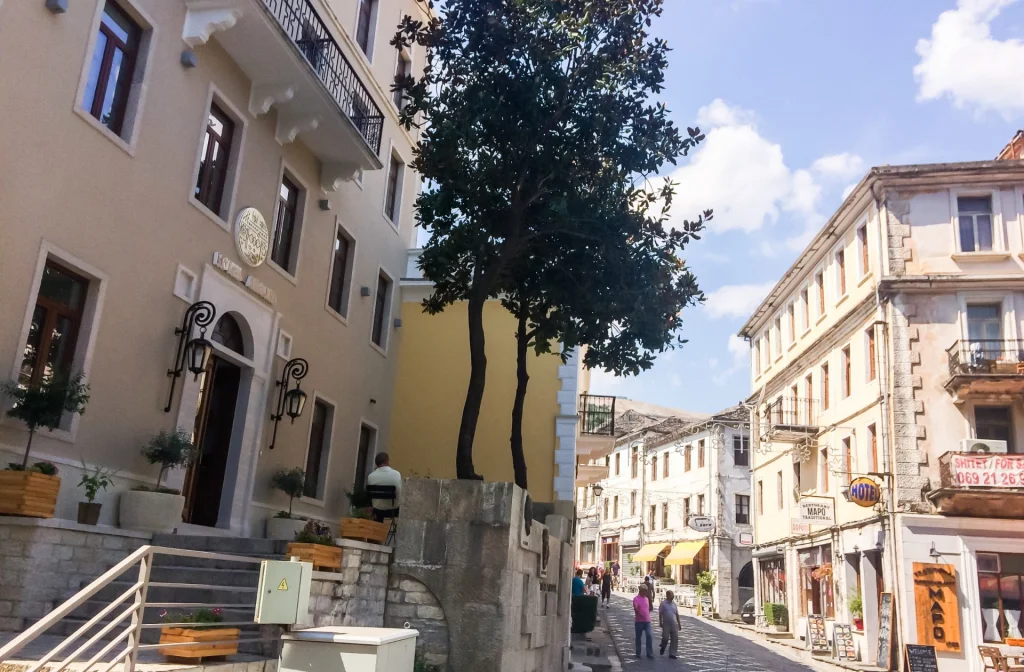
<point>433,372</point>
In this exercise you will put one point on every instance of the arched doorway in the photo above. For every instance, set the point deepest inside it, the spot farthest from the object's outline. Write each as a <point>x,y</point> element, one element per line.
<point>745,583</point>
<point>214,425</point>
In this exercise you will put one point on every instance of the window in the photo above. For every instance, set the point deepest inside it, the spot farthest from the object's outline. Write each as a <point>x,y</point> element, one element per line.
<point>615,506</point>
<point>741,450</point>
<point>402,69</point>
<point>985,323</point>
<point>687,452</point>
<point>654,467</point>
<point>819,286</point>
<point>994,422</point>
<point>873,447</point>
<point>700,505</point>
<point>213,162</point>
<point>53,332</point>
<point>760,497</point>
<point>633,462</point>
<point>700,454</point>
<point>841,272</point>
<point>365,25</point>
<point>618,463</point>
<point>587,551</point>
<point>805,304</point>
<point>772,580</point>
<point>823,461</point>
<point>686,510</point>
<point>1000,577</point>
<point>652,517</point>
<point>824,387</point>
<point>380,310</point>
<point>974,222</point>
<point>816,593</point>
<point>768,348</point>
<point>319,449</point>
<point>112,67</point>
<point>742,510</point>
<point>664,465</point>
<point>757,357</point>
<point>778,488</point>
<point>862,244</point>
<point>791,311</point>
<point>847,461</point>
<point>632,503</point>
<point>869,336</point>
<point>664,516</point>
<point>796,482</point>
<point>846,371</point>
<point>367,449</point>
<point>809,388</point>
<point>778,336</point>
<point>393,197</point>
<point>606,508</point>
<point>284,252</point>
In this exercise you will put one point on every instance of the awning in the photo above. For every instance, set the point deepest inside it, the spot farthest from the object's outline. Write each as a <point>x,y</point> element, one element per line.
<point>684,552</point>
<point>649,552</point>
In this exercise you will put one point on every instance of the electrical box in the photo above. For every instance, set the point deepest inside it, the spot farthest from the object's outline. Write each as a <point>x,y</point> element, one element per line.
<point>283,594</point>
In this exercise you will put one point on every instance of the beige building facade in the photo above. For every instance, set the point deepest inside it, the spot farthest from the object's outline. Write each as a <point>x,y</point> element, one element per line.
<point>888,352</point>
<point>244,153</point>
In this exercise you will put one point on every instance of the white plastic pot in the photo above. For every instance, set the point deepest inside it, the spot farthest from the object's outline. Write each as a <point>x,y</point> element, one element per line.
<point>150,511</point>
<point>284,529</point>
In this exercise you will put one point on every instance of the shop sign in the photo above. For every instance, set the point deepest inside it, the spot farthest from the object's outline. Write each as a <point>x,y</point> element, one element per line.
<point>235,272</point>
<point>744,539</point>
<point>701,523</point>
<point>987,471</point>
<point>864,492</point>
<point>935,601</point>
<point>252,236</point>
<point>796,527</point>
<point>816,513</point>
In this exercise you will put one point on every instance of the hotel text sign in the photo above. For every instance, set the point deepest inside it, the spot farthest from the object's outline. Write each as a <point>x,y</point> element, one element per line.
<point>252,236</point>
<point>234,271</point>
<point>991,471</point>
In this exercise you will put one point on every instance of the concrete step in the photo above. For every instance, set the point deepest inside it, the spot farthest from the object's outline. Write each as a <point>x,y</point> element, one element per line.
<point>249,577</point>
<point>234,614</point>
<point>235,545</point>
<point>243,595</point>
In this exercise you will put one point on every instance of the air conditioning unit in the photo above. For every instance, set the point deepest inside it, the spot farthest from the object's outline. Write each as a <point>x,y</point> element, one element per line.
<point>982,446</point>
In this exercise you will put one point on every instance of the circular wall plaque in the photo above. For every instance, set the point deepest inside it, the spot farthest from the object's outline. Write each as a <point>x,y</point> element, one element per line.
<point>252,236</point>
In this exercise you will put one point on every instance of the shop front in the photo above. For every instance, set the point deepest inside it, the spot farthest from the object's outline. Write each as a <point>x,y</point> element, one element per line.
<point>770,582</point>
<point>686,560</point>
<point>610,549</point>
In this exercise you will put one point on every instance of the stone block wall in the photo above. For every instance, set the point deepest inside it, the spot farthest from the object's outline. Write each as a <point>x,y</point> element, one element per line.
<point>410,601</point>
<point>355,595</point>
<point>44,562</point>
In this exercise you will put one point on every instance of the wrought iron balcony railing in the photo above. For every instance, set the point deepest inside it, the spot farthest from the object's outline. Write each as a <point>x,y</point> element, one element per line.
<point>309,34</point>
<point>791,411</point>
<point>597,415</point>
<point>986,357</point>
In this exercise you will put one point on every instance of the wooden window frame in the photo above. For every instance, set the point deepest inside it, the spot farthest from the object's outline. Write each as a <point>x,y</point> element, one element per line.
<point>664,465</point>
<point>700,454</point>
<point>365,24</point>
<point>869,348</point>
<point>130,51</point>
<point>760,497</point>
<point>840,261</point>
<point>393,189</point>
<point>873,447</point>
<point>847,372</point>
<point>742,509</point>
<point>288,261</point>
<point>210,186</point>
<point>381,311</point>
<point>54,311</point>
<point>342,291</point>
<point>865,252</point>
<point>326,439</point>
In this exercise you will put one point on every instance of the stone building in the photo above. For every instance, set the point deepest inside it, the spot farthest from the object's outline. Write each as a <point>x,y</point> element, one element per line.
<point>890,351</point>
<point>246,153</point>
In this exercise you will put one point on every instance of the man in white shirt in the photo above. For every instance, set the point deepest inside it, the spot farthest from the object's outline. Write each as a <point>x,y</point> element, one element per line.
<point>385,475</point>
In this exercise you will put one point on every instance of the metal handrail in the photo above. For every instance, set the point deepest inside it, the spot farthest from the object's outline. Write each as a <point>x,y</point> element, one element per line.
<point>984,356</point>
<point>795,411</point>
<point>130,633</point>
<point>597,415</point>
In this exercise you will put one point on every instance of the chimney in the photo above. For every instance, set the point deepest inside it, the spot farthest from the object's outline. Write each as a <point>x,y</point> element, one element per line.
<point>1014,149</point>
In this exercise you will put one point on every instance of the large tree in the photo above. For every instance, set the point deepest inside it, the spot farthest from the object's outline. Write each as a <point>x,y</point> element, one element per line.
<point>538,121</point>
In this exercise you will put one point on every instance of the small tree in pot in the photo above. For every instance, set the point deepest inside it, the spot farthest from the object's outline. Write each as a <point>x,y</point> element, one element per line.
<point>93,480</point>
<point>291,482</point>
<point>158,509</point>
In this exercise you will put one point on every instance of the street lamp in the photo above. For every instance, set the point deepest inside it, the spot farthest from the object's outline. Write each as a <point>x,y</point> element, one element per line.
<point>290,402</point>
<point>597,489</point>
<point>191,353</point>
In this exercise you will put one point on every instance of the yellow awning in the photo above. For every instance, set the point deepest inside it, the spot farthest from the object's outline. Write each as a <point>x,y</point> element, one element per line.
<point>649,552</point>
<point>684,552</point>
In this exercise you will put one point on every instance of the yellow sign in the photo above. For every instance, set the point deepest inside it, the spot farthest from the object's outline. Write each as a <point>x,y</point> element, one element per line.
<point>864,492</point>
<point>283,585</point>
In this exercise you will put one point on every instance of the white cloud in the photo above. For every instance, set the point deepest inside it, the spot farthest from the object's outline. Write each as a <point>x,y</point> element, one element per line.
<point>719,113</point>
<point>848,190</point>
<point>739,348</point>
<point>736,300</point>
<point>843,166</point>
<point>963,61</point>
<point>603,381</point>
<point>740,351</point>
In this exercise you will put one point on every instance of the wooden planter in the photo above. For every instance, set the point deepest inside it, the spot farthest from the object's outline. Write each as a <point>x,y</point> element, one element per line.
<point>202,649</point>
<point>361,529</point>
<point>28,493</point>
<point>322,557</point>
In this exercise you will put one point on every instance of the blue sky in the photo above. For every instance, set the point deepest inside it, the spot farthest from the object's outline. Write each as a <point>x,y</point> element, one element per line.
<point>798,99</point>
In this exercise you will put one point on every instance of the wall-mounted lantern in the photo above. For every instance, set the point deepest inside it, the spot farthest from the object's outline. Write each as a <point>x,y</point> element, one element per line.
<point>598,489</point>
<point>290,402</point>
<point>193,353</point>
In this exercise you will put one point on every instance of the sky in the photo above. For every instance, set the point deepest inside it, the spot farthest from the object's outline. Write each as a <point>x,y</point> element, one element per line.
<point>799,98</point>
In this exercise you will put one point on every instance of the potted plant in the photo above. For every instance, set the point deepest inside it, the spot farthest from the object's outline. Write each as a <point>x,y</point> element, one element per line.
<point>32,491</point>
<point>199,630</point>
<point>159,509</point>
<point>359,524</point>
<point>93,480</point>
<point>857,611</point>
<point>777,616</point>
<point>284,526</point>
<point>705,584</point>
<point>315,544</point>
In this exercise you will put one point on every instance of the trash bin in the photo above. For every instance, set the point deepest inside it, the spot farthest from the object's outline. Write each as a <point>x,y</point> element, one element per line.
<point>348,649</point>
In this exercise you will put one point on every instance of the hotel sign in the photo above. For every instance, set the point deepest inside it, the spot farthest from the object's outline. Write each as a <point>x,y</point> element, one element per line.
<point>235,272</point>
<point>252,236</point>
<point>986,471</point>
<point>864,492</point>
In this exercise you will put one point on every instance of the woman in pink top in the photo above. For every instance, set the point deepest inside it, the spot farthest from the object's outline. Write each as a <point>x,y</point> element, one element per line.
<point>642,613</point>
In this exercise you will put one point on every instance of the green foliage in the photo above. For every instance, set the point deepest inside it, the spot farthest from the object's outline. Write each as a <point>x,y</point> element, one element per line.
<point>584,613</point>
<point>291,482</point>
<point>44,467</point>
<point>359,498</point>
<point>857,605</point>
<point>46,404</point>
<point>705,582</point>
<point>170,450</point>
<point>94,480</point>
<point>202,618</point>
<point>315,532</point>
<point>776,614</point>
<point>541,137</point>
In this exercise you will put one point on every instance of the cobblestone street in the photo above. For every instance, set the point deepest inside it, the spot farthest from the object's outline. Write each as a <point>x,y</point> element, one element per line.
<point>702,647</point>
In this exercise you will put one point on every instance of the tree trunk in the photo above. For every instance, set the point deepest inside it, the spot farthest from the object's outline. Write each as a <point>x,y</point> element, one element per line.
<point>477,380</point>
<point>522,380</point>
<point>28,449</point>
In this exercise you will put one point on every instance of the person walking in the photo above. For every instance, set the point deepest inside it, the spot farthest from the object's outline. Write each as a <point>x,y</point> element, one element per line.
<point>606,588</point>
<point>615,574</point>
<point>649,585</point>
<point>577,583</point>
<point>642,619</point>
<point>668,619</point>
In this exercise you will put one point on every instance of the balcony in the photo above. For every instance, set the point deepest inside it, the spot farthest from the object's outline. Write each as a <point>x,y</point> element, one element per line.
<point>589,474</point>
<point>985,485</point>
<point>790,419</point>
<point>595,426</point>
<point>986,368</point>
<point>296,65</point>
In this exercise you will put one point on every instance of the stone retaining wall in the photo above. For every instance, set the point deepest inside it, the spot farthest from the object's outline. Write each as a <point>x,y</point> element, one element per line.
<point>356,594</point>
<point>410,601</point>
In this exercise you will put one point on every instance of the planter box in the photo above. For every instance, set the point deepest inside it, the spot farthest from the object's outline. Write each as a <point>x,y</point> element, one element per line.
<point>284,529</point>
<point>89,513</point>
<point>322,557</point>
<point>28,493</point>
<point>150,511</point>
<point>204,648</point>
<point>361,529</point>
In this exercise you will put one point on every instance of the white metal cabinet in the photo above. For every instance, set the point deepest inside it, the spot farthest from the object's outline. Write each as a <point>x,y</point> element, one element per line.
<point>348,649</point>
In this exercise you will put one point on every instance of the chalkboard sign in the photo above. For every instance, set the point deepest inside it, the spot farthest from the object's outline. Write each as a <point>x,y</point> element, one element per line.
<point>884,630</point>
<point>921,658</point>
<point>843,636</point>
<point>816,638</point>
<point>706,608</point>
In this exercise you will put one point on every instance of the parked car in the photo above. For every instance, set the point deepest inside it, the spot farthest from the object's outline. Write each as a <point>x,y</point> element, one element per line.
<point>747,612</point>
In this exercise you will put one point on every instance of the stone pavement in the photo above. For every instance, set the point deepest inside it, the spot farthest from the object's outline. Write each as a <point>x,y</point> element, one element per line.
<point>702,647</point>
